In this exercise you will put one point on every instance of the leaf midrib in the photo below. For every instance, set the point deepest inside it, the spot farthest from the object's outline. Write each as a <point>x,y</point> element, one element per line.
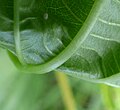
<point>17,32</point>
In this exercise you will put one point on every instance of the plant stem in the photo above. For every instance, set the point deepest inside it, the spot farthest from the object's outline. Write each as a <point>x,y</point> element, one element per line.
<point>116,96</point>
<point>17,31</point>
<point>66,91</point>
<point>107,97</point>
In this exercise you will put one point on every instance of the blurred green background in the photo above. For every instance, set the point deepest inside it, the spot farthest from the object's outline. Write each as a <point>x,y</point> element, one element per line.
<point>20,91</point>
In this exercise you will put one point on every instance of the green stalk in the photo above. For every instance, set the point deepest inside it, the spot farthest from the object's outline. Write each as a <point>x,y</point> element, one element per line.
<point>106,93</point>
<point>17,32</point>
<point>66,91</point>
<point>116,98</point>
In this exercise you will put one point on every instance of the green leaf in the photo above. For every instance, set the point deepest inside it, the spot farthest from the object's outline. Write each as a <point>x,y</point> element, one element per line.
<point>26,91</point>
<point>80,37</point>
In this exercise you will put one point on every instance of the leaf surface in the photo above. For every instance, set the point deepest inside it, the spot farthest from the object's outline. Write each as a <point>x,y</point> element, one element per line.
<point>80,37</point>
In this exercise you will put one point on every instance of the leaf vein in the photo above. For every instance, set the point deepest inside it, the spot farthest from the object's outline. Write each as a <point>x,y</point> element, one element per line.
<point>104,38</point>
<point>77,18</point>
<point>109,23</point>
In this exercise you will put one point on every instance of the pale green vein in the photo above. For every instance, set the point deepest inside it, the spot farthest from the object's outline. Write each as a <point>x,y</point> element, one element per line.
<point>26,19</point>
<point>5,18</point>
<point>59,40</point>
<point>17,33</point>
<point>46,47</point>
<point>6,44</point>
<point>92,49</point>
<point>104,38</point>
<point>109,23</point>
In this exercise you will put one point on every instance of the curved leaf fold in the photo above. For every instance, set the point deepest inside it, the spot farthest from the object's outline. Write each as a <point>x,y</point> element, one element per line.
<point>80,38</point>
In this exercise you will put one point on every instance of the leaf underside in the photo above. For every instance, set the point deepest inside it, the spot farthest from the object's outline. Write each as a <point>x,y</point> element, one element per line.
<point>46,28</point>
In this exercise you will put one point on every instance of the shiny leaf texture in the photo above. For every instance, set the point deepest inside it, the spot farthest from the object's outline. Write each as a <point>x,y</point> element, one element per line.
<point>80,37</point>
